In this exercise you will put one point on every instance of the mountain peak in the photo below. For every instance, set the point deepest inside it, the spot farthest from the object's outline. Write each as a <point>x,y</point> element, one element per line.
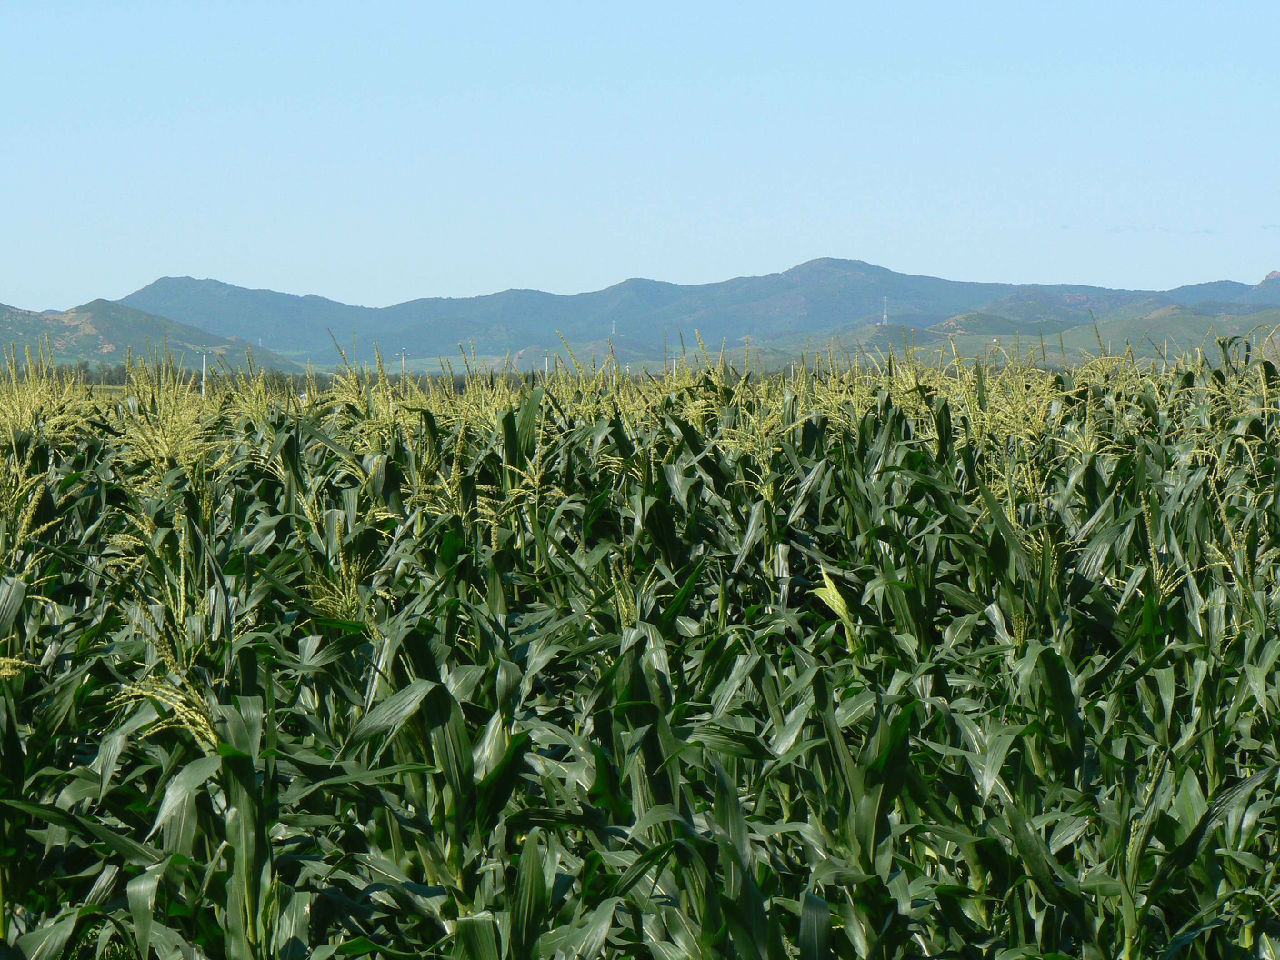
<point>1273,275</point>
<point>821,298</point>
<point>833,267</point>
<point>838,262</point>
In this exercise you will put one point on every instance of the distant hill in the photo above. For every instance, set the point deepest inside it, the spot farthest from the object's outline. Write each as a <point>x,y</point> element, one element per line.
<point>1172,329</point>
<point>644,313</point>
<point>106,331</point>
<point>779,313</point>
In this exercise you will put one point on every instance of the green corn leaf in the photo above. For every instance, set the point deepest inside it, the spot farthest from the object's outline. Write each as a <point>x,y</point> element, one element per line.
<point>815,925</point>
<point>477,938</point>
<point>388,716</point>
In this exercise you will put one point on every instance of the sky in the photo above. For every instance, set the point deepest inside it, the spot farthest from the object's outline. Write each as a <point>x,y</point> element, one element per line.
<point>379,152</point>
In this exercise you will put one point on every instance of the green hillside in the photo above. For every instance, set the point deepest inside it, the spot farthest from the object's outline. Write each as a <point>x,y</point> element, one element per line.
<point>104,331</point>
<point>1173,329</point>
<point>645,317</point>
<point>990,324</point>
<point>781,315</point>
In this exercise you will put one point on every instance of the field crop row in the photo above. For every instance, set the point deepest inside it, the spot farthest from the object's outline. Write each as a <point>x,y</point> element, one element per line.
<point>883,661</point>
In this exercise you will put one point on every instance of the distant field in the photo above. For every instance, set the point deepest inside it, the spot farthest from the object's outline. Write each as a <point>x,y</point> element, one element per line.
<point>108,391</point>
<point>869,659</point>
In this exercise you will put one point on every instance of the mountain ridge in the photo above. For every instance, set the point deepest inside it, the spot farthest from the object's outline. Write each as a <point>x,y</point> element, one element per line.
<point>106,331</point>
<point>810,305</point>
<point>644,318</point>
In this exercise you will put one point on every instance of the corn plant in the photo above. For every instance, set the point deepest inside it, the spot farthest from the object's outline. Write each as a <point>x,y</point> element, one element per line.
<point>876,658</point>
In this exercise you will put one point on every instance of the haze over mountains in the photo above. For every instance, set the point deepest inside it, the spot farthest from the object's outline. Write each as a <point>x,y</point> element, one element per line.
<point>781,314</point>
<point>103,331</point>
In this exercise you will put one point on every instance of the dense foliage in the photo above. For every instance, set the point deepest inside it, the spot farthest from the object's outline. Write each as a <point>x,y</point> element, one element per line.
<point>872,661</point>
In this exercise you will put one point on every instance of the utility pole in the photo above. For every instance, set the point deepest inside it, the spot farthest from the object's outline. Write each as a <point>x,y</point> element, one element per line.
<point>203,375</point>
<point>402,352</point>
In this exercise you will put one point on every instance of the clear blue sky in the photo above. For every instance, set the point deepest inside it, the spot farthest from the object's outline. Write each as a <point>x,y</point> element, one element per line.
<point>378,152</point>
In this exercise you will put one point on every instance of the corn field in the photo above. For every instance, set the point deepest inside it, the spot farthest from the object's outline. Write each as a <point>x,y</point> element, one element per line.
<point>875,659</point>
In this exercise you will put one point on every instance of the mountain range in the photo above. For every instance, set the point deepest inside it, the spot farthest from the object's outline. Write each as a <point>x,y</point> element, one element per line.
<point>104,331</point>
<point>780,315</point>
